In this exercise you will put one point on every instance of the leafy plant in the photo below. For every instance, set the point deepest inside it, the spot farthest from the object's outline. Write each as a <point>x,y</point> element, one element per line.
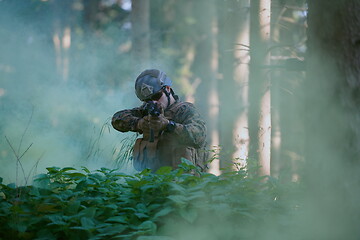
<point>169,204</point>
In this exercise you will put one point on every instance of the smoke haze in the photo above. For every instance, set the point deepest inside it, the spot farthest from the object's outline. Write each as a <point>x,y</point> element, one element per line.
<point>49,120</point>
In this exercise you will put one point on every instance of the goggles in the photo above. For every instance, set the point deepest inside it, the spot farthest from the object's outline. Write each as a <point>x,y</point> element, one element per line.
<point>155,96</point>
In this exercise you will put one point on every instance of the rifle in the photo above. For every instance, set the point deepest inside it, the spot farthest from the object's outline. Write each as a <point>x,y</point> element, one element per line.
<point>151,108</point>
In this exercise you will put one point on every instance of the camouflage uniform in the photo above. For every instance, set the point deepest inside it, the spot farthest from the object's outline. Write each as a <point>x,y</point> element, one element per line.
<point>186,141</point>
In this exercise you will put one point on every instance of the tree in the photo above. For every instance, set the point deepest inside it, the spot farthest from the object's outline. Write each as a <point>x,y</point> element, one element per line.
<point>232,82</point>
<point>63,16</point>
<point>140,33</point>
<point>91,9</point>
<point>288,34</point>
<point>204,69</point>
<point>173,41</point>
<point>260,108</point>
<point>333,119</point>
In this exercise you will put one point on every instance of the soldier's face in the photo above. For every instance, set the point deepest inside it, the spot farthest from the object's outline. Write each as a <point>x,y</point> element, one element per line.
<point>162,100</point>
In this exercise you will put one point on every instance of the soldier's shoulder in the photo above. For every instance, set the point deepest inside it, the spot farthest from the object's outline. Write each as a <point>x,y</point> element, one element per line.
<point>183,105</point>
<point>184,109</point>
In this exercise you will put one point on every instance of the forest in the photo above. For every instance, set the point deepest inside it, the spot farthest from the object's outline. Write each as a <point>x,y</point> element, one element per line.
<point>277,82</point>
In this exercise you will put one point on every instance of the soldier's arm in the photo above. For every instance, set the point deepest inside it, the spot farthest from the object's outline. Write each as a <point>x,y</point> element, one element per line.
<point>191,127</point>
<point>126,120</point>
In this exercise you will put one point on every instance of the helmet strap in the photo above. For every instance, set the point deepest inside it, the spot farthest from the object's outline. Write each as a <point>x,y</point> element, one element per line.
<point>168,96</point>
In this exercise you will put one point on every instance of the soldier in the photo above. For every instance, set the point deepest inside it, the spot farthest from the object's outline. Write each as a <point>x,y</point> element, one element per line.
<point>176,131</point>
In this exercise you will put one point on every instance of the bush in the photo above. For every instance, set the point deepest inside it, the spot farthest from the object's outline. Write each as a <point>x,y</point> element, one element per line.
<point>169,204</point>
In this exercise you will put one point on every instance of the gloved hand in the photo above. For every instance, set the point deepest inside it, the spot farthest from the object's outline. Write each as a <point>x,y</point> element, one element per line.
<point>158,123</point>
<point>143,125</point>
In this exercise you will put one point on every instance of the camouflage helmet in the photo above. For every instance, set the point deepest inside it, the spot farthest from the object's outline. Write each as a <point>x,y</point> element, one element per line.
<point>150,82</point>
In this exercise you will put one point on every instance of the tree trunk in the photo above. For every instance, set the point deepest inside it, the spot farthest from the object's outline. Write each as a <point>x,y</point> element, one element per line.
<point>140,27</point>
<point>241,78</point>
<point>231,24</point>
<point>204,69</point>
<point>63,14</point>
<point>275,93</point>
<point>333,119</point>
<point>91,8</point>
<point>286,97</point>
<point>260,112</point>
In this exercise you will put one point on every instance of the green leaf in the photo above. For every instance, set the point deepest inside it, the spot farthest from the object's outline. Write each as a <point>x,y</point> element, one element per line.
<point>65,169</point>
<point>87,223</point>
<point>85,169</point>
<point>75,175</point>
<point>2,195</point>
<point>117,219</point>
<point>148,186</point>
<point>148,226</point>
<point>163,212</point>
<point>104,170</point>
<point>189,214</point>
<point>88,212</point>
<point>97,176</point>
<point>187,165</point>
<point>154,238</point>
<point>53,169</point>
<point>195,195</point>
<point>47,207</point>
<point>112,230</point>
<point>187,162</point>
<point>83,184</point>
<point>45,234</point>
<point>19,226</point>
<point>129,209</point>
<point>112,206</point>
<point>164,170</point>
<point>80,228</point>
<point>56,220</point>
<point>34,191</point>
<point>11,185</point>
<point>176,187</point>
<point>72,207</point>
<point>145,172</point>
<point>141,215</point>
<point>178,199</point>
<point>120,174</point>
<point>42,181</point>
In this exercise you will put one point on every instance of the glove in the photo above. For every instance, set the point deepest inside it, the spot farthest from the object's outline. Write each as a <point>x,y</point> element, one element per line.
<point>143,125</point>
<point>158,123</point>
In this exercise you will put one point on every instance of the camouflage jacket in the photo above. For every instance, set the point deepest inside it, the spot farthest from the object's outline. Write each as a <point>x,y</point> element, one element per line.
<point>186,141</point>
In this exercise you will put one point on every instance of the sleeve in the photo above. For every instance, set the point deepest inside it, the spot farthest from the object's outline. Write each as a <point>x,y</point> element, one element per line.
<point>190,127</point>
<point>126,120</point>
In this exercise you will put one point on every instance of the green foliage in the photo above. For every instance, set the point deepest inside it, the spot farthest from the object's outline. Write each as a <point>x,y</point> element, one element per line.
<point>169,204</point>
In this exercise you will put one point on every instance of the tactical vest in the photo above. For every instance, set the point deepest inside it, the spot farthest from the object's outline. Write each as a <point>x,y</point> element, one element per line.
<point>166,149</point>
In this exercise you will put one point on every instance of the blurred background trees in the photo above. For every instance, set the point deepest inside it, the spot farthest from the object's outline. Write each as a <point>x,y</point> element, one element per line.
<point>229,57</point>
<point>67,65</point>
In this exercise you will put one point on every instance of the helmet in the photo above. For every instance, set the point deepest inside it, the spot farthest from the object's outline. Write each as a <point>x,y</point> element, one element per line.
<point>150,82</point>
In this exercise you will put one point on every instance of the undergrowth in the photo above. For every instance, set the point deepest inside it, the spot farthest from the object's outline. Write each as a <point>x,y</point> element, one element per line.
<point>66,203</point>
